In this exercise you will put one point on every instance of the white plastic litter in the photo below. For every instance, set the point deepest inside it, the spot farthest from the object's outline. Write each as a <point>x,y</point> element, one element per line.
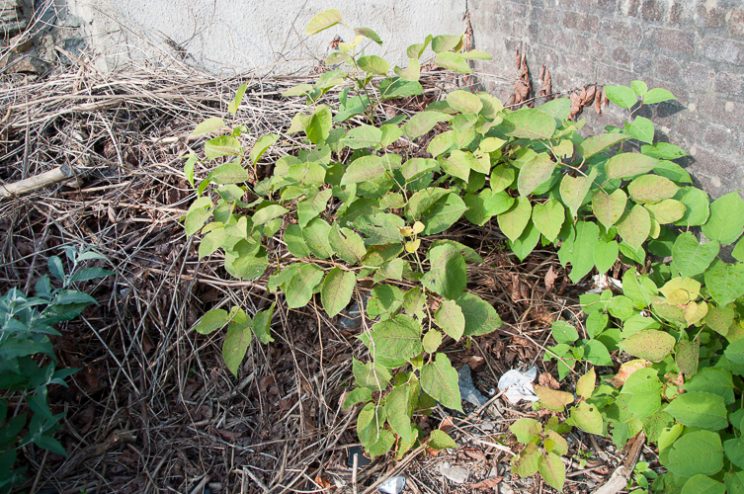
<point>468,391</point>
<point>517,385</point>
<point>393,485</point>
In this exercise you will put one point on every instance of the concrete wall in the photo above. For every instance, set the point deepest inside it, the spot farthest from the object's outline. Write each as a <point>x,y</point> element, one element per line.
<point>695,48</point>
<point>238,35</point>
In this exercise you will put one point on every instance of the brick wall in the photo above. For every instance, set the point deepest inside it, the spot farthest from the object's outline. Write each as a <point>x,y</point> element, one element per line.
<point>695,48</point>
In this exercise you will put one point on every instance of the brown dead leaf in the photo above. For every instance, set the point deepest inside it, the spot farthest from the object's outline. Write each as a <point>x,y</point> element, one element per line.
<point>546,379</point>
<point>627,369</point>
<point>324,483</point>
<point>550,278</point>
<point>486,484</point>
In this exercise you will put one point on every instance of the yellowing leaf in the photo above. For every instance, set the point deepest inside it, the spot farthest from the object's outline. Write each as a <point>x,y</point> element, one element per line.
<point>649,344</point>
<point>212,124</point>
<point>667,211</point>
<point>626,165</point>
<point>573,190</point>
<point>635,227</point>
<point>585,384</point>
<point>534,173</point>
<point>651,188</point>
<point>464,102</point>
<point>608,208</point>
<point>553,399</point>
<point>322,21</point>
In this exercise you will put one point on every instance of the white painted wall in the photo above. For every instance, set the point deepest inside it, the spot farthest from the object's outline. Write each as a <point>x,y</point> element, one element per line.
<point>238,35</point>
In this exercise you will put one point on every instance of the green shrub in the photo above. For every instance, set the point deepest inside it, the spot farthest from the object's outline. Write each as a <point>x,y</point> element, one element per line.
<point>28,364</point>
<point>368,197</point>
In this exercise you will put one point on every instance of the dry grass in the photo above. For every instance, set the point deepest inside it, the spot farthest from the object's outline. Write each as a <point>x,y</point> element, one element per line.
<point>152,408</point>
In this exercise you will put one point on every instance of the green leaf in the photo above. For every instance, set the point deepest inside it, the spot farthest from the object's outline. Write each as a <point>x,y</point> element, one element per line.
<point>726,220</point>
<point>649,344</point>
<point>563,332</point>
<point>459,164</point>
<point>316,235</point>
<point>444,42</point>
<point>261,145</point>
<point>502,177</point>
<point>596,144</point>
<point>233,106</point>
<point>393,88</point>
<point>486,204</point>
<point>369,34</point>
<point>529,123</point>
<point>527,462</point>
<point>725,282</point>
<point>422,122</point>
<point>364,136</point>
<point>699,409</point>
<point>373,64</point>
<point>641,128</point>
<point>587,418</point>
<point>622,96</point>
<point>439,380</point>
<point>262,324</point>
<point>657,95</point>
<point>443,213</point>
<point>322,21</point>
<point>448,274</point>
<point>735,352</point>
<point>734,482</point>
<point>395,341</point>
<point>651,188</point>
<point>197,214</point>
<point>337,290</point>
<point>319,126</point>
<point>738,251</point>
<point>464,102</point>
<point>438,439</point>
<point>432,341</point>
<point>453,61</point>
<point>222,146</point>
<point>687,356</point>
<point>300,287</point>
<point>417,167</point>
<point>639,87</point>
<point>635,227</point>
<point>579,249</point>
<point>697,206</point>
<point>734,449</point>
<point>696,452</point>
<point>268,213</point>
<point>514,221</point>
<point>370,375</point>
<point>690,258</point>
<point>211,321</point>
<point>312,207</point>
<point>480,316</point>
<point>605,255</point>
<point>364,169</point>
<point>702,484</point>
<point>534,173</point>
<point>229,173</point>
<point>451,319</point>
<point>211,124</point>
<point>247,260</point>
<point>573,190</point>
<point>626,165</point>
<point>552,470</point>
<point>526,243</point>
<point>347,244</point>
<point>236,343</point>
<point>526,430</point>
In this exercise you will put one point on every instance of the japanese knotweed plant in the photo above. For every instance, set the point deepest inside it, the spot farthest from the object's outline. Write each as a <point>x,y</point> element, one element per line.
<point>360,212</point>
